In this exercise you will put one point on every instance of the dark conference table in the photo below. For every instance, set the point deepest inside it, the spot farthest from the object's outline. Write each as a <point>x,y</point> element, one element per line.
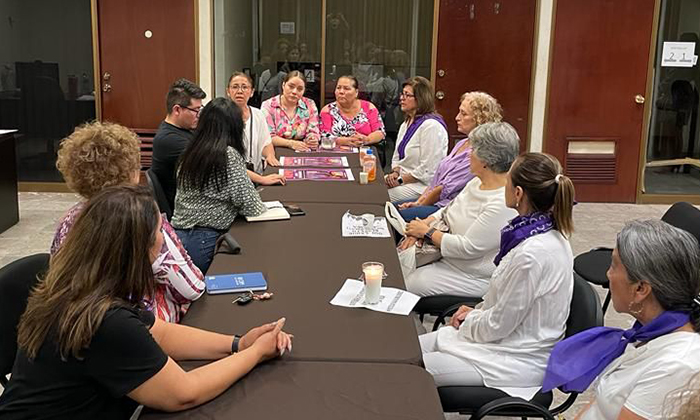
<point>346,363</point>
<point>305,261</point>
<point>322,390</point>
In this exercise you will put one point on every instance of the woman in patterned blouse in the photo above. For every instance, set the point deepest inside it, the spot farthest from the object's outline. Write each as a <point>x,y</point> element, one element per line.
<point>350,120</point>
<point>292,118</point>
<point>213,186</point>
<point>101,155</point>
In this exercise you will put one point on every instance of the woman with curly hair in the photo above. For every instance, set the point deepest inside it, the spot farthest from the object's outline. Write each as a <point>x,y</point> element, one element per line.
<point>454,170</point>
<point>100,155</point>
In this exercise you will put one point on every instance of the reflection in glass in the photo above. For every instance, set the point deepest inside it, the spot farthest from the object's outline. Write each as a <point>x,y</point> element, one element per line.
<point>267,39</point>
<point>46,78</point>
<point>673,152</point>
<point>382,43</point>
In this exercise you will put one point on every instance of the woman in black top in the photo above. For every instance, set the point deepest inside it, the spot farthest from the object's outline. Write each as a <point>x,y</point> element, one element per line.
<point>87,346</point>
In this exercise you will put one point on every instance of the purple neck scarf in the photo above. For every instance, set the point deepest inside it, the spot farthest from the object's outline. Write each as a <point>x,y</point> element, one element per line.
<point>414,127</point>
<point>576,361</point>
<point>521,228</point>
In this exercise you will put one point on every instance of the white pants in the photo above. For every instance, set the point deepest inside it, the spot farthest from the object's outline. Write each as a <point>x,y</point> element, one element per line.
<point>441,278</point>
<point>407,191</point>
<point>447,370</point>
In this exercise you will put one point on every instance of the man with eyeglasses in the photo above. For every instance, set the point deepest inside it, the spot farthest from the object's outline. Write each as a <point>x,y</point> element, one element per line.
<point>184,103</point>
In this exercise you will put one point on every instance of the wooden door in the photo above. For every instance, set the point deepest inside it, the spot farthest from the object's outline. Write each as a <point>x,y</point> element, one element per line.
<point>598,67</point>
<point>144,47</point>
<point>486,45</point>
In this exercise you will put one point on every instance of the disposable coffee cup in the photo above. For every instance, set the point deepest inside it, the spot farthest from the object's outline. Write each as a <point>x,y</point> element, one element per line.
<point>364,178</point>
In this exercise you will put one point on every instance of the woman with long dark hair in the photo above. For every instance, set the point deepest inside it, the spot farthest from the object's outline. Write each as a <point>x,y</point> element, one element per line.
<point>213,186</point>
<point>88,349</point>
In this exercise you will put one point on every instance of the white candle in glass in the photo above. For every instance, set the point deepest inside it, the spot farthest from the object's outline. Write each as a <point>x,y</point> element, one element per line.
<point>373,272</point>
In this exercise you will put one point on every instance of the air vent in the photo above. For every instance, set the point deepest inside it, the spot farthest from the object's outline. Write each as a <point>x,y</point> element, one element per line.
<point>591,161</point>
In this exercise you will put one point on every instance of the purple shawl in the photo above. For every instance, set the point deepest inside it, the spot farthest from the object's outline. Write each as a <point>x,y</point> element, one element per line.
<point>521,228</point>
<point>576,361</point>
<point>411,130</point>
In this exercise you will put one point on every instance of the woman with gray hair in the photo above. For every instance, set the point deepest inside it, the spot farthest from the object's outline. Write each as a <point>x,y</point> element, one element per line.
<point>655,277</point>
<point>474,219</point>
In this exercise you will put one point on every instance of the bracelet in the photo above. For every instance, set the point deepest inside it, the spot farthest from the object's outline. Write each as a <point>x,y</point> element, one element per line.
<point>234,343</point>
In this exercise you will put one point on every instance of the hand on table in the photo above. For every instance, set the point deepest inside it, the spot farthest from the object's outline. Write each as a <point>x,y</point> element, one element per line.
<point>299,146</point>
<point>348,141</point>
<point>417,228</point>
<point>460,315</point>
<point>361,138</point>
<point>273,179</point>
<point>312,142</point>
<point>273,343</point>
<point>272,161</point>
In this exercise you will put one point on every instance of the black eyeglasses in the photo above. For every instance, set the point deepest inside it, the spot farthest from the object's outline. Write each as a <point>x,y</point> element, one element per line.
<point>196,111</point>
<point>407,95</point>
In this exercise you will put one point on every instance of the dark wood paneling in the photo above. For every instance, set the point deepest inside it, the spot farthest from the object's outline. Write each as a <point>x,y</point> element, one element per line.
<point>142,69</point>
<point>599,63</point>
<point>487,45</point>
<point>9,209</point>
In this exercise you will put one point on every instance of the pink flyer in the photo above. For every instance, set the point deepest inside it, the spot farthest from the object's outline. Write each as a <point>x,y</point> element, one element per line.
<point>317,174</point>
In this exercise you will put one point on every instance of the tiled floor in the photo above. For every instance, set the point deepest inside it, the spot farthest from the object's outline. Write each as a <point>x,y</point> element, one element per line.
<point>596,225</point>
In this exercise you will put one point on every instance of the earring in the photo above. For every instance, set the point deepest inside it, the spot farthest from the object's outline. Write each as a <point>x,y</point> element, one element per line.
<point>635,312</point>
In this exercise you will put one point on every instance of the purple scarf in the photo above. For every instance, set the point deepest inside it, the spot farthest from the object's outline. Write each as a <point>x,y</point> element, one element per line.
<point>414,127</point>
<point>576,361</point>
<point>521,228</point>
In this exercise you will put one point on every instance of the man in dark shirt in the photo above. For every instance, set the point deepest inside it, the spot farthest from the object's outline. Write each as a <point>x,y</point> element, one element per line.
<point>184,103</point>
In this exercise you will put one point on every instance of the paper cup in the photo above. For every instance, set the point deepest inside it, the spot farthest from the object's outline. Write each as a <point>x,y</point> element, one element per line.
<point>364,178</point>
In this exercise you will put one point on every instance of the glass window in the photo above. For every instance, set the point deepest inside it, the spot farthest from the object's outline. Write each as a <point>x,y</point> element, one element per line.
<point>673,149</point>
<point>46,78</point>
<point>266,39</point>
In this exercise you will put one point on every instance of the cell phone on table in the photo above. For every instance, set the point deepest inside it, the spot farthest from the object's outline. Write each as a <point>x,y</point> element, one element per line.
<point>294,210</point>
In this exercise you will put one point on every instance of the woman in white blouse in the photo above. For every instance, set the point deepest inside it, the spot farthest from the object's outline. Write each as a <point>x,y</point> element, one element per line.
<point>475,218</point>
<point>256,137</point>
<point>505,341</point>
<point>654,277</point>
<point>420,145</point>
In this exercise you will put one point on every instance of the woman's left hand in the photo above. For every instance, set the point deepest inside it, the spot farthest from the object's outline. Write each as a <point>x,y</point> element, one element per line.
<point>361,138</point>
<point>272,160</point>
<point>460,315</point>
<point>417,228</point>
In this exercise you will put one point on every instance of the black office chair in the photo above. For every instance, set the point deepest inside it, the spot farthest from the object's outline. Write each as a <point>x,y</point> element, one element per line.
<point>480,401</point>
<point>436,305</point>
<point>16,281</point>
<point>593,265</point>
<point>159,194</point>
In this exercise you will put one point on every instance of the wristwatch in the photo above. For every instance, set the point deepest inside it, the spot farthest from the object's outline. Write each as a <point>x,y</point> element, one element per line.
<point>234,344</point>
<point>399,180</point>
<point>429,234</point>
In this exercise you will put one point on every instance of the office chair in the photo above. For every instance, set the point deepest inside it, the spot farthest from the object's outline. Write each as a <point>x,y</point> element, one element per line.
<point>16,282</point>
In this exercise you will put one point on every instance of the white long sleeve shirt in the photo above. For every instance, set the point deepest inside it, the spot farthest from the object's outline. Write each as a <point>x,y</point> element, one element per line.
<point>423,152</point>
<point>509,337</point>
<point>475,218</point>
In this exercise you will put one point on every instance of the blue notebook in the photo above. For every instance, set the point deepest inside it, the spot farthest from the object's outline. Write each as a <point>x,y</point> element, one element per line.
<point>235,283</point>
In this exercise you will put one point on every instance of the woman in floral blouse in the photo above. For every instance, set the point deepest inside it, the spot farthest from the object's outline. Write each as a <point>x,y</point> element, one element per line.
<point>351,120</point>
<point>292,118</point>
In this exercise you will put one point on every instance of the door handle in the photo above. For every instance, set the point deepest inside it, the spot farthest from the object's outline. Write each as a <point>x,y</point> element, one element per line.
<point>106,77</point>
<point>440,95</point>
<point>639,99</point>
<point>441,73</point>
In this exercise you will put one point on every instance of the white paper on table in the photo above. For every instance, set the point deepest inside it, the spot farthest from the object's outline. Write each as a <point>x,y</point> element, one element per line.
<point>391,300</point>
<point>356,226</point>
<point>678,54</point>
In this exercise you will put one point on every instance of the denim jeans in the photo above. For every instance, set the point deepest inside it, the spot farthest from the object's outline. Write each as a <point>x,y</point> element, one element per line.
<point>200,243</point>
<point>411,213</point>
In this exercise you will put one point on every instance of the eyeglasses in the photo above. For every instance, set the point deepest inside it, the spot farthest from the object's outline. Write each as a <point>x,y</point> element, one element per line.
<point>195,110</point>
<point>407,95</point>
<point>242,88</point>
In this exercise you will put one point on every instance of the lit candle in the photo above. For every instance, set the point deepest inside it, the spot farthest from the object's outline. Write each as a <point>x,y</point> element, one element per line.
<point>373,272</point>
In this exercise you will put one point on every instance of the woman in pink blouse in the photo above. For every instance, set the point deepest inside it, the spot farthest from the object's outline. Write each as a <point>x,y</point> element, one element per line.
<point>101,155</point>
<point>350,120</point>
<point>292,118</point>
